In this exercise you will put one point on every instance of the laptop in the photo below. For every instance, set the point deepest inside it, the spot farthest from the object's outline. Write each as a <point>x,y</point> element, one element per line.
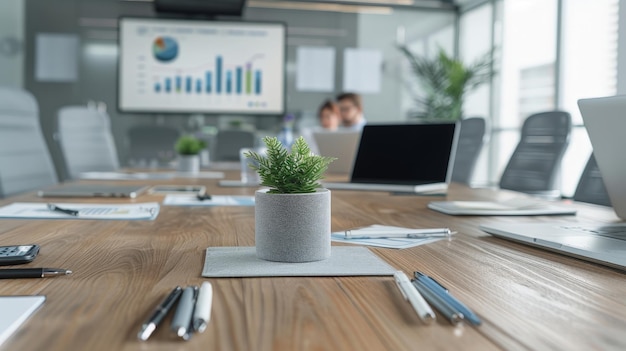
<point>341,145</point>
<point>605,119</point>
<point>94,190</point>
<point>413,158</point>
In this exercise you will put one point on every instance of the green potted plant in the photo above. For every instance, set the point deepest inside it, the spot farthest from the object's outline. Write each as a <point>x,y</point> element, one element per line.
<point>446,81</point>
<point>188,148</point>
<point>292,216</point>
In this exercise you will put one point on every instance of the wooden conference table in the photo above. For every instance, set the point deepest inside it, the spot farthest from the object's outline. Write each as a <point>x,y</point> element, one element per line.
<point>528,298</point>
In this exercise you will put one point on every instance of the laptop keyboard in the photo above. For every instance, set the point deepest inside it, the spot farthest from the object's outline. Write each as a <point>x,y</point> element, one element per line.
<point>610,231</point>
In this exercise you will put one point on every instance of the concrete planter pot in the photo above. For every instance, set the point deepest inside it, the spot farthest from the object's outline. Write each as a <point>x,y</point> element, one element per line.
<point>292,227</point>
<point>189,163</point>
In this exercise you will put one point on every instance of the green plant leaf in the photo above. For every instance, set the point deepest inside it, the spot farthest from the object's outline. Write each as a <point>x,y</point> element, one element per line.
<point>446,80</point>
<point>189,145</point>
<point>289,172</point>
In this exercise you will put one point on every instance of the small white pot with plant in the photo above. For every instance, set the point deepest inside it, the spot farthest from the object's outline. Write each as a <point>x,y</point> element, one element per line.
<point>188,149</point>
<point>292,217</point>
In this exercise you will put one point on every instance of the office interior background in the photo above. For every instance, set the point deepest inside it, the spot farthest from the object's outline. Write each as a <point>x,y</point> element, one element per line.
<point>548,54</point>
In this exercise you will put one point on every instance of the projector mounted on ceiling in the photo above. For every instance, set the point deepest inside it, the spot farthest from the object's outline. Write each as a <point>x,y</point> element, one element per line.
<point>201,7</point>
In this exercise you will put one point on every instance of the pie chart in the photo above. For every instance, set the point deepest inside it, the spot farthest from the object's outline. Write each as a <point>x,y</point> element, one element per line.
<point>165,49</point>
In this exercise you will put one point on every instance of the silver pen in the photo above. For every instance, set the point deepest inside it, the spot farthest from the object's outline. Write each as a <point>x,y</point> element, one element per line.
<point>398,233</point>
<point>184,311</point>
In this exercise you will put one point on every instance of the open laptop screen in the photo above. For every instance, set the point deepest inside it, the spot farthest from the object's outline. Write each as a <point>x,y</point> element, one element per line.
<point>404,154</point>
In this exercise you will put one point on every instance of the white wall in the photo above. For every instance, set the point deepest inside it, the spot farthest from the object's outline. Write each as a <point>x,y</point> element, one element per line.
<point>11,33</point>
<point>380,32</point>
<point>621,49</point>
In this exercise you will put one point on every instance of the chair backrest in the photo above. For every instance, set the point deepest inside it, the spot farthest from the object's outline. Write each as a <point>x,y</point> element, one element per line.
<point>228,142</point>
<point>86,140</point>
<point>25,162</point>
<point>148,143</point>
<point>591,187</point>
<point>535,163</point>
<point>469,145</point>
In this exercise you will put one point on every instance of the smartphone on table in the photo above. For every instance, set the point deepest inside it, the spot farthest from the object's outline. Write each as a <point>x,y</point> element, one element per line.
<point>18,254</point>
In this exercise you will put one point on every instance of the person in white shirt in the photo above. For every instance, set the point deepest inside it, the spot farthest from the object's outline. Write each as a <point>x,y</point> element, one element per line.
<point>351,111</point>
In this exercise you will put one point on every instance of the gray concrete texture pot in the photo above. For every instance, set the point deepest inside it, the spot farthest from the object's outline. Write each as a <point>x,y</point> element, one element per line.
<point>189,163</point>
<point>292,227</point>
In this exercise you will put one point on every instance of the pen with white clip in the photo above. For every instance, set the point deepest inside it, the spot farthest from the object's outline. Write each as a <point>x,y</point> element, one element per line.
<point>184,311</point>
<point>408,233</point>
<point>416,300</point>
<point>159,313</point>
<point>202,312</point>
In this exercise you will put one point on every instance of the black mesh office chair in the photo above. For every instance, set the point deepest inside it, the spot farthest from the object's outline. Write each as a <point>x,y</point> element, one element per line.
<point>591,186</point>
<point>228,142</point>
<point>149,143</point>
<point>535,163</point>
<point>470,143</point>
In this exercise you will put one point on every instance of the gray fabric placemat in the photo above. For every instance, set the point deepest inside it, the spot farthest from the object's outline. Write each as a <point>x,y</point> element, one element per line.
<point>242,262</point>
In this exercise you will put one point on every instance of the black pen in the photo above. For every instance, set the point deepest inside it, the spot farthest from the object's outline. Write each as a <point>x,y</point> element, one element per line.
<point>159,313</point>
<point>32,273</point>
<point>203,196</point>
<point>53,207</point>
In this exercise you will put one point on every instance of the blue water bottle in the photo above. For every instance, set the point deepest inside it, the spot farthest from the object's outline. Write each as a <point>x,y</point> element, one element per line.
<point>286,134</point>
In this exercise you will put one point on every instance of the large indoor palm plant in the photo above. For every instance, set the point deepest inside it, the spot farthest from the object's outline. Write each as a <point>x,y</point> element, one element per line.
<point>446,81</point>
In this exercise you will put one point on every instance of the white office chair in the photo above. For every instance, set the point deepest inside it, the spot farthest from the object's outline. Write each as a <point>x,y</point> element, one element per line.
<point>25,162</point>
<point>86,141</point>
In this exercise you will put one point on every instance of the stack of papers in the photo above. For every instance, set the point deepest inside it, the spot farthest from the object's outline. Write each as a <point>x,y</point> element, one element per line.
<point>216,200</point>
<point>148,175</point>
<point>515,207</point>
<point>390,243</point>
<point>145,211</point>
<point>15,311</point>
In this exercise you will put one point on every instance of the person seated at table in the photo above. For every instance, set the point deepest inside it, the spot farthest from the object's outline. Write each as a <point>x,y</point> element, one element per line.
<point>351,111</point>
<point>329,120</point>
<point>328,115</point>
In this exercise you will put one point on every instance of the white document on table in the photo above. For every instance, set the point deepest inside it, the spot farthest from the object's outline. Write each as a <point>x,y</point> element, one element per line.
<point>149,175</point>
<point>15,310</point>
<point>216,200</point>
<point>390,243</point>
<point>36,210</point>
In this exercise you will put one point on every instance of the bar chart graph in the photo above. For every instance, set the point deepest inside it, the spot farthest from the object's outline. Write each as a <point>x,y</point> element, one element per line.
<point>217,67</point>
<point>226,81</point>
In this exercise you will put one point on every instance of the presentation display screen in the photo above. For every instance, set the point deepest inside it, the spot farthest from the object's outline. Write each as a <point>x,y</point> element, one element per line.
<point>192,66</point>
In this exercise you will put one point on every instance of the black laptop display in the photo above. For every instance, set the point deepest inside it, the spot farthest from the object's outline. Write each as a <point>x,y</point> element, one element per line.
<point>405,157</point>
